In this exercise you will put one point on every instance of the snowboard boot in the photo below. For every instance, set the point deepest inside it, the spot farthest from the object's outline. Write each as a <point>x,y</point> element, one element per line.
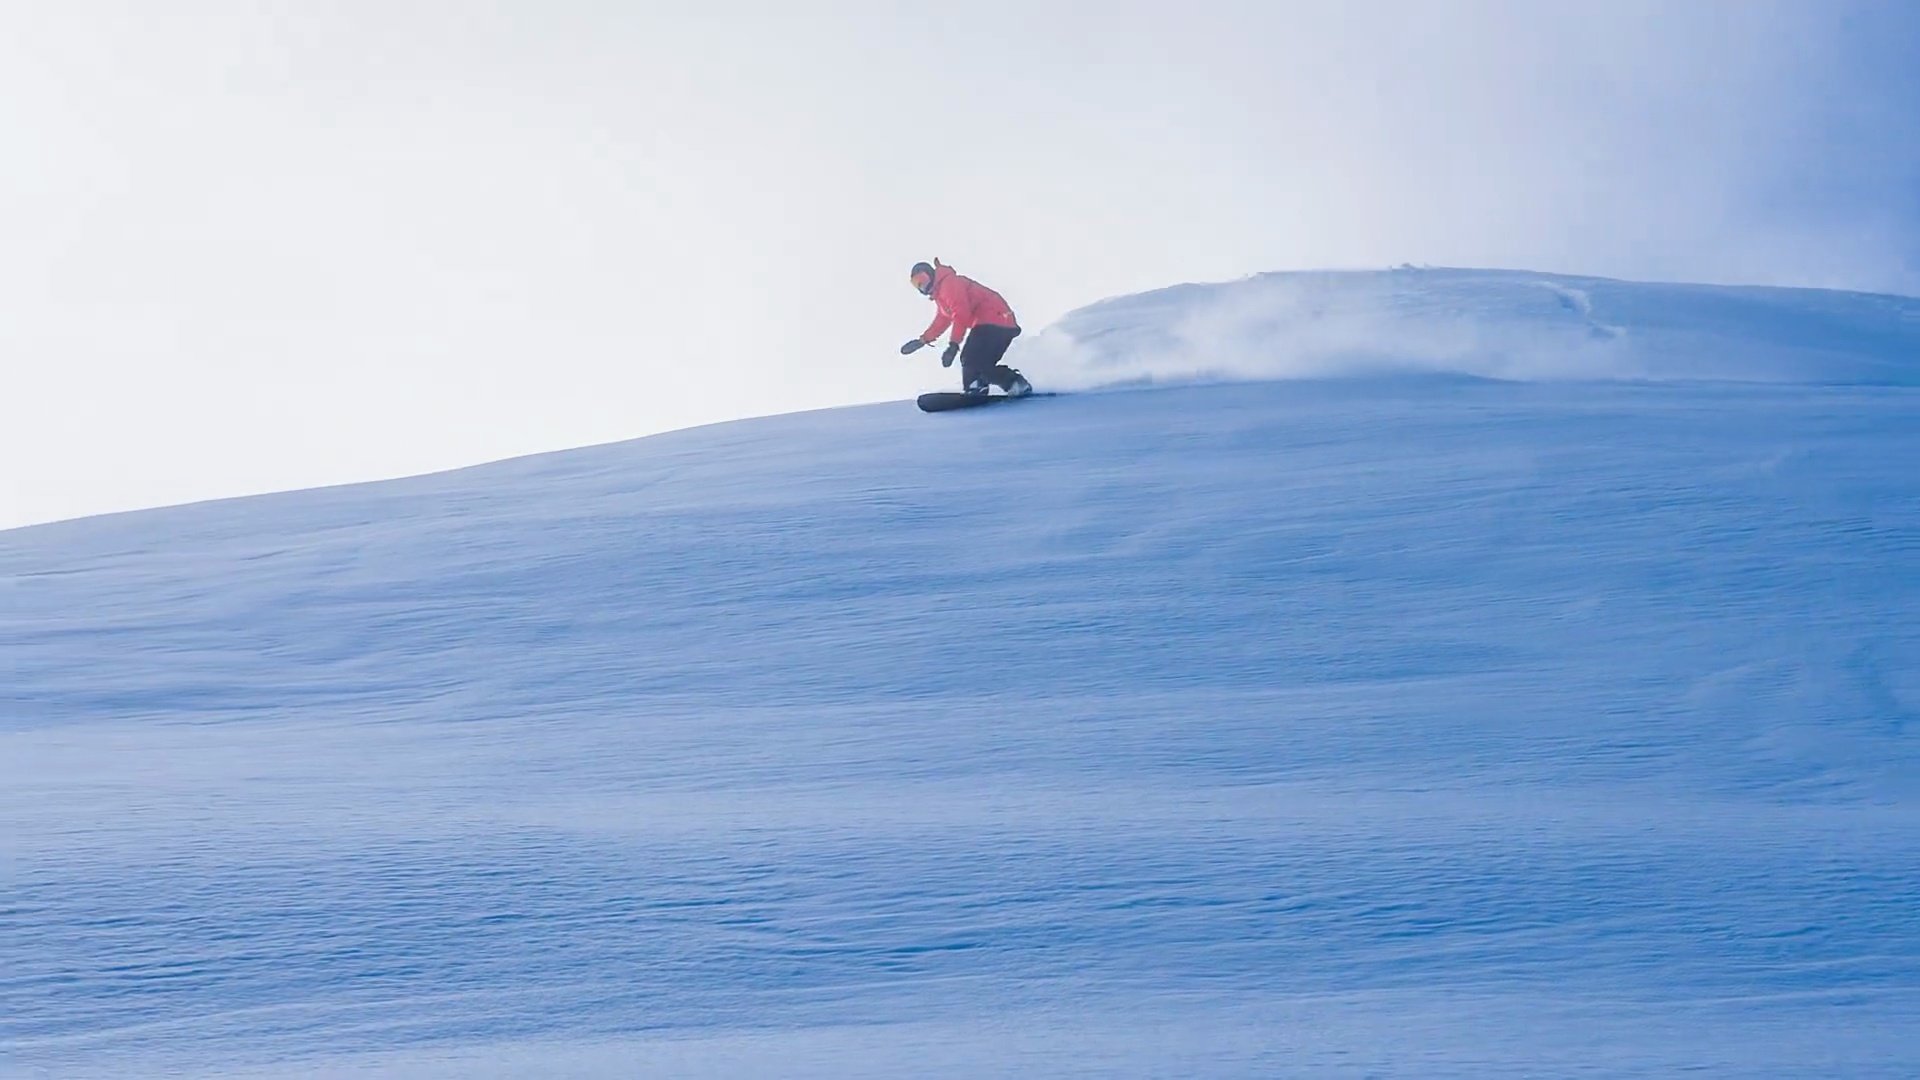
<point>1019,387</point>
<point>977,387</point>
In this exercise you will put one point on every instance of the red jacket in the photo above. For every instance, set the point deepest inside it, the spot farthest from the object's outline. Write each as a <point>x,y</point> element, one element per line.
<point>964,303</point>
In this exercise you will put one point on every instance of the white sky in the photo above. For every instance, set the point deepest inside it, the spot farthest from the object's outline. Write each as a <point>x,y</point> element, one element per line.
<point>258,246</point>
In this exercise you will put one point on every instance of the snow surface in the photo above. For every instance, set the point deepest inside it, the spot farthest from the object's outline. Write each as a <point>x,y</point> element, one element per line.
<point>1390,722</point>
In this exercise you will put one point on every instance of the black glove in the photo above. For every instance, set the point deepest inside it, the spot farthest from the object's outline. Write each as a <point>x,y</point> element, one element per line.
<point>912,347</point>
<point>953,350</point>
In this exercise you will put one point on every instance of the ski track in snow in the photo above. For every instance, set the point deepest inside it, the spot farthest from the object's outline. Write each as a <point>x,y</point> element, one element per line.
<point>1383,725</point>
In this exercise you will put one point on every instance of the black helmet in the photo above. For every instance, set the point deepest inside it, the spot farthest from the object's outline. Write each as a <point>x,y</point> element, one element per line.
<point>922,277</point>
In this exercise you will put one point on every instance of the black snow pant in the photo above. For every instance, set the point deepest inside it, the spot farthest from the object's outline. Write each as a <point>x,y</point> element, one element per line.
<point>980,356</point>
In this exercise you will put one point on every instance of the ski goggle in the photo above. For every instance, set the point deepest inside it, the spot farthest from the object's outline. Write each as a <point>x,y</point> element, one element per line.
<point>923,281</point>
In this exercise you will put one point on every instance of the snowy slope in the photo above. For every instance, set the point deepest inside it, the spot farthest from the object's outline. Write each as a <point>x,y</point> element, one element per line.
<point>1400,723</point>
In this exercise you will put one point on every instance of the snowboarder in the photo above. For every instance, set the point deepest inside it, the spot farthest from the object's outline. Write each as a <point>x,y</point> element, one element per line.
<point>980,317</point>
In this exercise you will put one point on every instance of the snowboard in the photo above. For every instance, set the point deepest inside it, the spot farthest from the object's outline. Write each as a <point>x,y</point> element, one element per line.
<point>944,402</point>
